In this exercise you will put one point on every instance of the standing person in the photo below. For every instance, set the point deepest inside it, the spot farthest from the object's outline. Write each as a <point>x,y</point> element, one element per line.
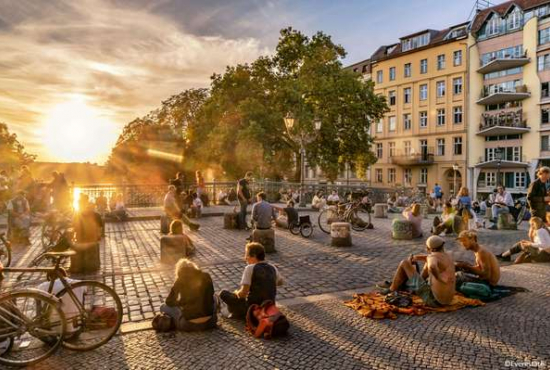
<point>258,283</point>
<point>101,203</point>
<point>504,203</point>
<point>87,223</point>
<point>179,183</point>
<point>244,197</point>
<point>199,183</point>
<point>438,195</point>
<point>413,215</point>
<point>537,196</point>
<point>485,271</point>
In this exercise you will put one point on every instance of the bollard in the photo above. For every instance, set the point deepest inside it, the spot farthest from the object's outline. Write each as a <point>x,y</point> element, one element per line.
<point>265,238</point>
<point>340,234</point>
<point>381,210</point>
<point>506,222</point>
<point>401,229</point>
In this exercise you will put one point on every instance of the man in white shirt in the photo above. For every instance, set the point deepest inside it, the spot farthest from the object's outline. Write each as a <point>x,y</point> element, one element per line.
<point>333,198</point>
<point>503,204</point>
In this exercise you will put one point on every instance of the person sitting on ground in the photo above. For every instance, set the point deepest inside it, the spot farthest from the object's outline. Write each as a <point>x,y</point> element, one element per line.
<point>119,212</point>
<point>171,204</point>
<point>476,207</point>
<point>262,212</point>
<point>19,219</point>
<point>196,206</point>
<point>537,249</point>
<point>436,283</point>
<point>333,198</point>
<point>445,223</point>
<point>485,271</point>
<point>258,284</point>
<point>101,203</point>
<point>191,302</point>
<point>223,198</point>
<point>503,203</point>
<point>287,215</point>
<point>319,202</point>
<point>413,215</point>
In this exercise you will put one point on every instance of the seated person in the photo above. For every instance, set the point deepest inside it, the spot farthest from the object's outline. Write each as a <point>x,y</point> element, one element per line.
<point>191,300</point>
<point>232,196</point>
<point>319,202</point>
<point>476,207</point>
<point>287,215</point>
<point>101,203</point>
<point>262,212</point>
<point>171,207</point>
<point>392,204</point>
<point>485,271</point>
<point>436,283</point>
<point>445,223</point>
<point>223,198</point>
<point>19,218</point>
<point>413,215</point>
<point>537,249</point>
<point>196,206</point>
<point>333,198</point>
<point>482,207</point>
<point>258,284</point>
<point>119,211</point>
<point>87,223</point>
<point>503,203</point>
<point>186,201</point>
<point>176,230</point>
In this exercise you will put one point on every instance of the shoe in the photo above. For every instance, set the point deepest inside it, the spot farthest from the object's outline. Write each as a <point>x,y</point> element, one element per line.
<point>384,285</point>
<point>385,291</point>
<point>502,258</point>
<point>493,227</point>
<point>370,227</point>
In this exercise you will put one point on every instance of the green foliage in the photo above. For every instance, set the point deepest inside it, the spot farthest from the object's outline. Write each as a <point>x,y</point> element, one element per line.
<point>12,152</point>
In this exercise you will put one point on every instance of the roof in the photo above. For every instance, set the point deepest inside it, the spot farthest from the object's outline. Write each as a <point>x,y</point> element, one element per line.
<point>502,9</point>
<point>360,67</point>
<point>436,38</point>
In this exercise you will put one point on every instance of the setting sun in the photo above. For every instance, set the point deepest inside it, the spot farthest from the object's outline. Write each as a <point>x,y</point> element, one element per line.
<point>76,132</point>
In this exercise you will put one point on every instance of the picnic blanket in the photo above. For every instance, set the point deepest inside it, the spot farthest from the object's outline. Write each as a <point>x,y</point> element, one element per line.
<point>373,305</point>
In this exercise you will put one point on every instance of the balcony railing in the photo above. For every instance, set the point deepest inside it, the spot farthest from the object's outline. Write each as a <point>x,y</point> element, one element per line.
<point>413,159</point>
<point>502,123</point>
<point>490,96</point>
<point>504,62</point>
<point>508,159</point>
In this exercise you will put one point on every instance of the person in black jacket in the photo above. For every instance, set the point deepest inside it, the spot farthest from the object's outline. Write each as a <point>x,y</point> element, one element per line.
<point>191,299</point>
<point>537,194</point>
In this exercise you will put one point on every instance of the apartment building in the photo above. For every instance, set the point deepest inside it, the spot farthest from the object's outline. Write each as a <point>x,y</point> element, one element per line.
<point>509,75</point>
<point>421,141</point>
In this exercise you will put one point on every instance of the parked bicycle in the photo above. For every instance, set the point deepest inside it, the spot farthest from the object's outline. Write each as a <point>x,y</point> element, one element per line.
<point>355,212</point>
<point>54,226</point>
<point>5,250</point>
<point>91,314</point>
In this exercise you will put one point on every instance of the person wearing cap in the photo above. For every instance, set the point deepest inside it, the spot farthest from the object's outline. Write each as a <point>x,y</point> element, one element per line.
<point>436,283</point>
<point>537,196</point>
<point>486,270</point>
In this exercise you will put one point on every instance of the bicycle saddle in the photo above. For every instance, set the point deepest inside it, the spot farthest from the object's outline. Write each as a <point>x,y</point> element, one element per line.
<point>60,254</point>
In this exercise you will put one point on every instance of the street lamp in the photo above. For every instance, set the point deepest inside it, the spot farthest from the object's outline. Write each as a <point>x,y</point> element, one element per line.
<point>455,169</point>
<point>302,139</point>
<point>498,157</point>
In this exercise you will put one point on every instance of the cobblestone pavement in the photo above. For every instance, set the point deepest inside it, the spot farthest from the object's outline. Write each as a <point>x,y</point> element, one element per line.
<point>324,334</point>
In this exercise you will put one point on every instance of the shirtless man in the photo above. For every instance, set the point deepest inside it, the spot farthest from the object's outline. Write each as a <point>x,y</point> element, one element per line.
<point>436,284</point>
<point>486,269</point>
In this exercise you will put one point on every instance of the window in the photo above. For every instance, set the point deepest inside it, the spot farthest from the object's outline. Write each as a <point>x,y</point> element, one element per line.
<point>545,116</point>
<point>415,42</point>
<point>457,86</point>
<point>493,26</point>
<point>544,36</point>
<point>391,175</point>
<point>407,95</point>
<point>407,148</point>
<point>392,73</point>
<point>509,52</point>
<point>440,147</point>
<point>391,95</point>
<point>379,150</point>
<point>457,145</point>
<point>378,175</point>
<point>491,179</point>
<point>392,123</point>
<point>545,91</point>
<point>514,20</point>
<point>391,149</point>
<point>380,125</point>
<point>441,117</point>
<point>379,77</point>
<point>457,58</point>
<point>407,176</point>
<point>440,89</point>
<point>544,143</point>
<point>424,66</point>
<point>423,176</point>
<point>543,62</point>
<point>503,73</point>
<point>520,179</point>
<point>407,121</point>
<point>440,62</point>
<point>457,115</point>
<point>423,119</point>
<point>424,92</point>
<point>407,70</point>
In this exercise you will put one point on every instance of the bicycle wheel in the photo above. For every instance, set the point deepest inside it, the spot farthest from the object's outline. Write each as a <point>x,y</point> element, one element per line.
<point>360,219</point>
<point>5,254</point>
<point>521,215</point>
<point>94,319</point>
<point>306,230</point>
<point>32,326</point>
<point>294,229</point>
<point>50,235</point>
<point>323,220</point>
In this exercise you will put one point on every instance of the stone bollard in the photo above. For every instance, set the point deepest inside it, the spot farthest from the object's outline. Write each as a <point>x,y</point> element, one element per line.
<point>165,224</point>
<point>230,220</point>
<point>380,210</point>
<point>489,213</point>
<point>401,229</point>
<point>340,234</point>
<point>506,222</point>
<point>173,247</point>
<point>86,259</point>
<point>265,238</point>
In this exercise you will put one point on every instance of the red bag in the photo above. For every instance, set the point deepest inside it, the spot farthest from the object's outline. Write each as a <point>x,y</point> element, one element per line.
<point>104,316</point>
<point>266,320</point>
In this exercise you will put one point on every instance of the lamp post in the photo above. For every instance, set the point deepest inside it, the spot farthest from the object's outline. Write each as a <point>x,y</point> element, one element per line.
<point>302,139</point>
<point>455,169</point>
<point>498,157</point>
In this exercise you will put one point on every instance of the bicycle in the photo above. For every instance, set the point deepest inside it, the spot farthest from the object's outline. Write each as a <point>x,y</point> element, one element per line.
<point>5,251</point>
<point>93,310</point>
<point>355,212</point>
<point>54,226</point>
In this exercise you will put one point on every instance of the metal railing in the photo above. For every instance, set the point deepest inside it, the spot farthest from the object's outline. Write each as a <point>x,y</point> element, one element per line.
<point>509,119</point>
<point>486,91</point>
<point>507,158</point>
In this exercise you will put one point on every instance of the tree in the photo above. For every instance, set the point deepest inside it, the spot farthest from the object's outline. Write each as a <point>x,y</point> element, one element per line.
<point>12,152</point>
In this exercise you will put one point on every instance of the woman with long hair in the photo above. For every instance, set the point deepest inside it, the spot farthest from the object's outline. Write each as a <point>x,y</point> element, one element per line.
<point>536,249</point>
<point>413,215</point>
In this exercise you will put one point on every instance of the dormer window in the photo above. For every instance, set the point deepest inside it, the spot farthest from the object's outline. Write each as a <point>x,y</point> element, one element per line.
<point>415,42</point>
<point>493,25</point>
<point>514,19</point>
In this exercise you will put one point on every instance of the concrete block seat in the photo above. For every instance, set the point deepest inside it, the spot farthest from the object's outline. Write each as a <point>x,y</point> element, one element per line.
<point>266,238</point>
<point>340,234</point>
<point>401,229</point>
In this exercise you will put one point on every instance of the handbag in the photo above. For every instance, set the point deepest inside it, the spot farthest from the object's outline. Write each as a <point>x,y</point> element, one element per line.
<point>266,320</point>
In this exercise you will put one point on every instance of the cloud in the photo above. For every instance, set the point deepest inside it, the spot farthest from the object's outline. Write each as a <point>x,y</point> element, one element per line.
<point>124,59</point>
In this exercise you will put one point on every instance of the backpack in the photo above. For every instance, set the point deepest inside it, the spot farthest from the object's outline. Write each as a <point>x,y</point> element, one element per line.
<point>162,322</point>
<point>266,321</point>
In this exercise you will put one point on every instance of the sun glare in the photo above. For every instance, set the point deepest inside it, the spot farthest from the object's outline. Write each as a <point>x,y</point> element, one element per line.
<point>75,132</point>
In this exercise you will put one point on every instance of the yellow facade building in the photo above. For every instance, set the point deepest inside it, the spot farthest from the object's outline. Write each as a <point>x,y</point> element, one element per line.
<point>421,141</point>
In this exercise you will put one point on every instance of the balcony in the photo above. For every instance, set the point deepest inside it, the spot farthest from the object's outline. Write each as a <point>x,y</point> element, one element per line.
<point>498,96</point>
<point>413,159</point>
<point>500,64</point>
<point>504,123</point>
<point>507,162</point>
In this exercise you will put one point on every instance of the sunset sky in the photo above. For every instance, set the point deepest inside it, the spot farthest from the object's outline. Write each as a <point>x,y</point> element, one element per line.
<point>73,72</point>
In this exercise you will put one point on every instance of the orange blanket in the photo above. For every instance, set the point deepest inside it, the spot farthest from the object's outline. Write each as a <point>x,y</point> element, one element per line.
<point>372,305</point>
